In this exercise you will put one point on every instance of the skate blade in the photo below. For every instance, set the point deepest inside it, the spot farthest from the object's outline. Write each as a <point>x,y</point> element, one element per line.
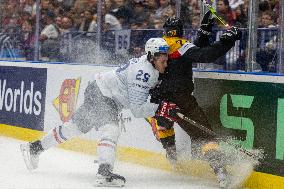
<point>109,184</point>
<point>27,157</point>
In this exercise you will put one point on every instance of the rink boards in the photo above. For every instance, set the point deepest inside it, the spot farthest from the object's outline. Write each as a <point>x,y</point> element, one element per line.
<point>35,97</point>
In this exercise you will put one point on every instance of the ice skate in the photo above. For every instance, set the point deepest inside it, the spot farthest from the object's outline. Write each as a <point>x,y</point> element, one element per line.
<point>105,178</point>
<point>31,152</point>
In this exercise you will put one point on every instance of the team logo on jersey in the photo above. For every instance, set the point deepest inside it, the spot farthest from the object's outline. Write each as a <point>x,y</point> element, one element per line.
<point>66,102</point>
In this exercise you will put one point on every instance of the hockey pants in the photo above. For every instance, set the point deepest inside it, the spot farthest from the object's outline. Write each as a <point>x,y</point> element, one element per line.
<point>97,112</point>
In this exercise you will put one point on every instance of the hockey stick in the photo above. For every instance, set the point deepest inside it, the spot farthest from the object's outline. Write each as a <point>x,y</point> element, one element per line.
<point>212,133</point>
<point>214,13</point>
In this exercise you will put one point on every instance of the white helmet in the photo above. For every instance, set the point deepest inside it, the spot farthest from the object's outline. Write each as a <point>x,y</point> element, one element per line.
<point>156,45</point>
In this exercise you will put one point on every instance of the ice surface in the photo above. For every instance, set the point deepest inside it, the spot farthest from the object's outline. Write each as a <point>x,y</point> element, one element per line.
<point>62,169</point>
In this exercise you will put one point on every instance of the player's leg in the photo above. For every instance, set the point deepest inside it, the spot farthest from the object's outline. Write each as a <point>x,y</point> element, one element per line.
<point>166,137</point>
<point>106,151</point>
<point>210,150</point>
<point>170,147</point>
<point>102,115</point>
<point>57,135</point>
<point>82,122</point>
<point>189,107</point>
<point>217,162</point>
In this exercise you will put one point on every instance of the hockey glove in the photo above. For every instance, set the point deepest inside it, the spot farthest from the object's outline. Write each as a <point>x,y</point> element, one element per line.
<point>231,35</point>
<point>166,114</point>
<point>207,24</point>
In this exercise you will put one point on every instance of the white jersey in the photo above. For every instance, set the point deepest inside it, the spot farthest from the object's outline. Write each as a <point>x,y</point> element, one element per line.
<point>130,85</point>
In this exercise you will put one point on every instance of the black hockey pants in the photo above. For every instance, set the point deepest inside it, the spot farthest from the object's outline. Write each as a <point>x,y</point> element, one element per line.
<point>190,108</point>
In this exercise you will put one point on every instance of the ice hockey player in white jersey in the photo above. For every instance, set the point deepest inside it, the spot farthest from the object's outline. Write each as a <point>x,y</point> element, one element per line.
<point>125,88</point>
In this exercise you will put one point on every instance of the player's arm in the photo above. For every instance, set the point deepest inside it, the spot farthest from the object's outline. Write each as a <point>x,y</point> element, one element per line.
<point>211,53</point>
<point>138,104</point>
<point>205,30</point>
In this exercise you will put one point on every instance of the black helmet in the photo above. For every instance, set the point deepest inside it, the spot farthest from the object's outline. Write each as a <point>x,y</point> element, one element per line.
<point>173,27</point>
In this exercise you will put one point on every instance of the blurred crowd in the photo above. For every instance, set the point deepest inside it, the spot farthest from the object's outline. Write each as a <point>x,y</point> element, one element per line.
<point>59,17</point>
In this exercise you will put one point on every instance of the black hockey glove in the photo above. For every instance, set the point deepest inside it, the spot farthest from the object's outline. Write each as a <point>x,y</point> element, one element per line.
<point>231,35</point>
<point>207,24</point>
<point>166,114</point>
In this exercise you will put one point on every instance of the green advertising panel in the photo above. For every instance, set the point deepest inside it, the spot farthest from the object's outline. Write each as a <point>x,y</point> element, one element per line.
<point>251,111</point>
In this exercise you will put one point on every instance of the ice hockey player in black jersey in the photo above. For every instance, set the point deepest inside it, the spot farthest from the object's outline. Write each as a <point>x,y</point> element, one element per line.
<point>176,86</point>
